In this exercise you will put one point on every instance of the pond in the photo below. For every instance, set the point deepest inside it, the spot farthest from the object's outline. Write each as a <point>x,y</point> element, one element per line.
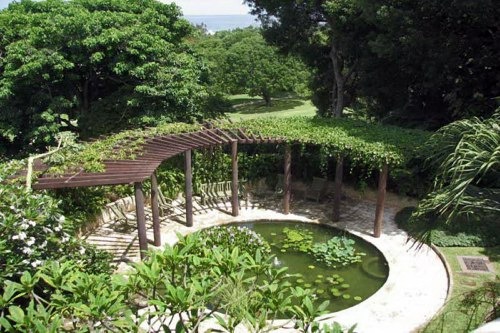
<point>344,285</point>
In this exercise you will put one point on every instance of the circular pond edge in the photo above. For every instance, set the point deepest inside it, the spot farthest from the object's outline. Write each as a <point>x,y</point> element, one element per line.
<point>395,307</point>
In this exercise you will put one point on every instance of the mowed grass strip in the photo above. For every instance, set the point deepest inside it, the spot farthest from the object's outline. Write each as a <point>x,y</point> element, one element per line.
<point>454,317</point>
<point>247,107</point>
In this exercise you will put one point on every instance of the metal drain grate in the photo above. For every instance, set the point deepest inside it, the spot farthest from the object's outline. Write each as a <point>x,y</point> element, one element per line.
<point>475,264</point>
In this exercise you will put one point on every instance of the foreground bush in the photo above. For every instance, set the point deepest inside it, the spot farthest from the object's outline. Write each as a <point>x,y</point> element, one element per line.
<point>171,290</point>
<point>33,231</point>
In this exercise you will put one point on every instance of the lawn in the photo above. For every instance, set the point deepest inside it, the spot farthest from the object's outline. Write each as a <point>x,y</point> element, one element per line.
<point>247,107</point>
<point>453,317</point>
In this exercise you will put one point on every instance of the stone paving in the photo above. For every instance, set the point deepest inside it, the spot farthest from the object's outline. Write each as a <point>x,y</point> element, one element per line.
<point>414,292</point>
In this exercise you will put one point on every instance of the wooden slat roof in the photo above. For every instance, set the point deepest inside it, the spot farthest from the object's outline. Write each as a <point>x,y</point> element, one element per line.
<point>154,151</point>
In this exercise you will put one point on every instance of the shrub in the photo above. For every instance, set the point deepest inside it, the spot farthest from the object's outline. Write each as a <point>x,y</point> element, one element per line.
<point>33,230</point>
<point>229,237</point>
<point>463,234</point>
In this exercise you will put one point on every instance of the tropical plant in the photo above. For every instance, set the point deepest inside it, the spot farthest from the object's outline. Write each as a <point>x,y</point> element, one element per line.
<point>62,295</point>
<point>176,289</point>
<point>467,181</point>
<point>187,278</point>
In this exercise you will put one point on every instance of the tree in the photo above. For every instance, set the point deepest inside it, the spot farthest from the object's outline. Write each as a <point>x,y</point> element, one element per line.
<point>423,63</point>
<point>91,66</point>
<point>242,62</point>
<point>258,69</point>
<point>327,34</point>
<point>431,62</point>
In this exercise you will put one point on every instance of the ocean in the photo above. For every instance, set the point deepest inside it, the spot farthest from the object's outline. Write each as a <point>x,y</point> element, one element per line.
<point>216,23</point>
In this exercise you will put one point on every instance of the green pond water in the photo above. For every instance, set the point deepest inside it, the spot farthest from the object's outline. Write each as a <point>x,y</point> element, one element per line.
<point>342,286</point>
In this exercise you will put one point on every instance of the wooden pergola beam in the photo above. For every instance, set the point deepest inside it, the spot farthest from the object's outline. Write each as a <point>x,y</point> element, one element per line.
<point>337,194</point>
<point>155,210</point>
<point>235,205</point>
<point>141,219</point>
<point>379,212</point>
<point>288,179</point>
<point>188,171</point>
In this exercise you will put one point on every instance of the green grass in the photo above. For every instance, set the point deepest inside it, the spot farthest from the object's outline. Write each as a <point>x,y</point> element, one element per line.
<point>247,107</point>
<point>453,318</point>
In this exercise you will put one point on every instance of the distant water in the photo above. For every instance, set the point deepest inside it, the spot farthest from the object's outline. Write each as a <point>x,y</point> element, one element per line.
<point>216,23</point>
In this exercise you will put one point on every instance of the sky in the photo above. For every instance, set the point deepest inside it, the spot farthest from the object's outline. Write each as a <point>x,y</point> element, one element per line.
<point>211,7</point>
<point>4,3</point>
<point>197,7</point>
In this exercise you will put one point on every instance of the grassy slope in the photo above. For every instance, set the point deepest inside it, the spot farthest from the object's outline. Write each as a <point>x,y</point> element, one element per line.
<point>246,107</point>
<point>452,319</point>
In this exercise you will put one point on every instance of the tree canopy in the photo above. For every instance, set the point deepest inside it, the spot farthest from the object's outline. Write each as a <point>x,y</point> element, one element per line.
<point>242,62</point>
<point>423,63</point>
<point>92,67</point>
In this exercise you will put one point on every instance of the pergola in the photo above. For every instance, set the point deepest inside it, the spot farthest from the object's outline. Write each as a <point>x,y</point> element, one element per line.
<point>157,149</point>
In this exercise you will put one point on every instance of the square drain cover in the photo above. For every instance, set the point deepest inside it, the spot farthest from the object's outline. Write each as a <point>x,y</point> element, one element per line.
<point>475,264</point>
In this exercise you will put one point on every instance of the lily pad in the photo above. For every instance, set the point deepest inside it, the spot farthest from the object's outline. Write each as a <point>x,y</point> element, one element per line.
<point>319,276</point>
<point>336,293</point>
<point>358,298</point>
<point>344,286</point>
<point>273,234</point>
<point>320,291</point>
<point>318,281</point>
<point>346,296</point>
<point>307,285</point>
<point>283,250</point>
<point>300,280</point>
<point>310,266</point>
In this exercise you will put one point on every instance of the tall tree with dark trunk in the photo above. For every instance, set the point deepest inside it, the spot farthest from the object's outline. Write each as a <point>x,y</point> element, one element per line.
<point>318,30</point>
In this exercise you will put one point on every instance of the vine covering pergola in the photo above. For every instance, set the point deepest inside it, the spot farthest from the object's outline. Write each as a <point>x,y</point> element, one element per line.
<point>132,157</point>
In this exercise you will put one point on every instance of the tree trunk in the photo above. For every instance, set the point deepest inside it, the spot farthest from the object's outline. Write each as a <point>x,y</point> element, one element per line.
<point>338,103</point>
<point>86,97</point>
<point>267,98</point>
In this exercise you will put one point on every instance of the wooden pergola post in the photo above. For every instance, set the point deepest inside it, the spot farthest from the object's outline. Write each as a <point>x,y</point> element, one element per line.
<point>288,180</point>
<point>235,205</point>
<point>141,219</point>
<point>155,210</point>
<point>189,188</point>
<point>379,213</point>
<point>337,194</point>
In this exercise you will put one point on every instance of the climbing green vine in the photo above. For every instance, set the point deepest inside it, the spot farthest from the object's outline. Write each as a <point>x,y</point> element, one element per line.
<point>366,145</point>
